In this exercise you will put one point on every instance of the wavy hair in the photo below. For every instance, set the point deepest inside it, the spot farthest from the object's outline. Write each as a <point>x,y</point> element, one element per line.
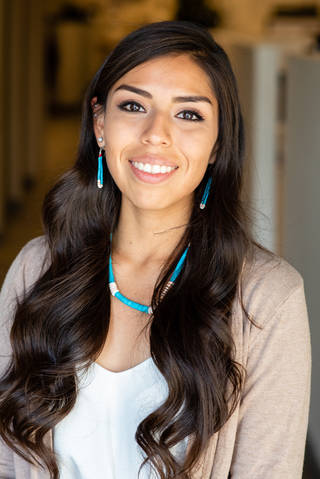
<point>61,324</point>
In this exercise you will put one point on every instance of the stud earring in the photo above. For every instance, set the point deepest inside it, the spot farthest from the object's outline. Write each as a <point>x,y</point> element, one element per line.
<point>100,170</point>
<point>205,194</point>
<point>100,139</point>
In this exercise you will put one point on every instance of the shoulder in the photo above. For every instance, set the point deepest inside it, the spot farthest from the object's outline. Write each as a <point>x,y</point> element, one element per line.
<point>28,265</point>
<point>35,251</point>
<point>34,256</point>
<point>268,281</point>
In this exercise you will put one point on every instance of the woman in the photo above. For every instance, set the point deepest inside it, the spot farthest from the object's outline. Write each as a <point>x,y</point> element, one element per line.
<point>195,360</point>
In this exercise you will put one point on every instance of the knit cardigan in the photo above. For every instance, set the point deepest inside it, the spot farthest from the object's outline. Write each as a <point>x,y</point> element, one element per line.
<point>265,436</point>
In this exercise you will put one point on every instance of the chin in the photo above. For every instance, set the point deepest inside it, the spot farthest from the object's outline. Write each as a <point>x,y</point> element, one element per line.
<point>148,206</point>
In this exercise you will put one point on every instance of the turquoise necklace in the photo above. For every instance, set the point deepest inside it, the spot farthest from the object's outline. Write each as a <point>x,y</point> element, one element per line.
<point>132,304</point>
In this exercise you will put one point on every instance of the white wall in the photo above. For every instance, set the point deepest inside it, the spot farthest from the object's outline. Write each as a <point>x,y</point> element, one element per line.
<point>302,204</point>
<point>256,66</point>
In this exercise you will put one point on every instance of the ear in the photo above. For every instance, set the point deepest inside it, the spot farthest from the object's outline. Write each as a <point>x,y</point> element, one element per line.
<point>98,124</point>
<point>98,118</point>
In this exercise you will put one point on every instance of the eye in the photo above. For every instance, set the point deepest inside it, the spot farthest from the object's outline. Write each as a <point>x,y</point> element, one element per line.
<point>190,115</point>
<point>130,106</point>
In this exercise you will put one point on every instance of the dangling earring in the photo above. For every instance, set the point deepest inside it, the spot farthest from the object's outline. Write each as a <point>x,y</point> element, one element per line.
<point>100,170</point>
<point>205,194</point>
<point>100,166</point>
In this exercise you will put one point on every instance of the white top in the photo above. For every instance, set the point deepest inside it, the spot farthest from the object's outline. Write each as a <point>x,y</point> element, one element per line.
<point>96,440</point>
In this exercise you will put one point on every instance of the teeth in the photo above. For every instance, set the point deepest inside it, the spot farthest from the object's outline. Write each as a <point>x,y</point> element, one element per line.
<point>153,169</point>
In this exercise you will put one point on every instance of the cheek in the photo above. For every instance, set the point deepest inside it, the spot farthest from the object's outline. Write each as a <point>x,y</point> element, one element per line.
<point>196,146</point>
<point>120,139</point>
<point>117,133</point>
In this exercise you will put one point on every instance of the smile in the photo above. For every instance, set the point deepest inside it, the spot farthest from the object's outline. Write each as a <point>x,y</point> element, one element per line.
<point>153,169</point>
<point>148,173</point>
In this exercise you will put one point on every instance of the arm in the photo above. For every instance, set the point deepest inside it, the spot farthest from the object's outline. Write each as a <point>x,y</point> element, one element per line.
<point>274,408</point>
<point>22,273</point>
<point>12,287</point>
<point>7,308</point>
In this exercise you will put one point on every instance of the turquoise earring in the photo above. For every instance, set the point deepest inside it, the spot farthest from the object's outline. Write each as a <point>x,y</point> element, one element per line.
<point>100,166</point>
<point>100,170</point>
<point>206,194</point>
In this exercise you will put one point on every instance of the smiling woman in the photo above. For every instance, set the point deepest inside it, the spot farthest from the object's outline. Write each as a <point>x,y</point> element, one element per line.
<point>146,334</point>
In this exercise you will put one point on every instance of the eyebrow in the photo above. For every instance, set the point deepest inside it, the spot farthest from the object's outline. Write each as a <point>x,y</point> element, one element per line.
<point>176,99</point>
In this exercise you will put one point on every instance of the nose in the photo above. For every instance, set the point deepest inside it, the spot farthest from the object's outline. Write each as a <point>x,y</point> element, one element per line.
<point>156,130</point>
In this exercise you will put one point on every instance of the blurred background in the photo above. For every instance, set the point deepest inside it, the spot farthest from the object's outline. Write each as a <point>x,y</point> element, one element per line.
<point>50,51</point>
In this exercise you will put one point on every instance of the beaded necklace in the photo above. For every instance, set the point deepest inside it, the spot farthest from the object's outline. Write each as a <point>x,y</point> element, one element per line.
<point>133,304</point>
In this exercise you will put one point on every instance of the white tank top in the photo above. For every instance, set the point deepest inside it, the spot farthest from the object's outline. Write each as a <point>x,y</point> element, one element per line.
<point>96,440</point>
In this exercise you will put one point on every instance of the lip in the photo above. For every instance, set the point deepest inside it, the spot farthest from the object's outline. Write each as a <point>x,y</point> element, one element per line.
<point>153,160</point>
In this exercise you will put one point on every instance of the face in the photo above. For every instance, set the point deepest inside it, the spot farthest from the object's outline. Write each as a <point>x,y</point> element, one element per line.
<point>159,129</point>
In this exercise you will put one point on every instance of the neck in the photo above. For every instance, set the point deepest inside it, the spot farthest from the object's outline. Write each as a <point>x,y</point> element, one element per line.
<point>148,236</point>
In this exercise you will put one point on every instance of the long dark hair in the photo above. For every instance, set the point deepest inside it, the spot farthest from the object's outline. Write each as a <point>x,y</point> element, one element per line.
<point>62,322</point>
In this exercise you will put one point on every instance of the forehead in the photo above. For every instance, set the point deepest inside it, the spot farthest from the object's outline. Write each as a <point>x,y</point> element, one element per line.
<point>175,71</point>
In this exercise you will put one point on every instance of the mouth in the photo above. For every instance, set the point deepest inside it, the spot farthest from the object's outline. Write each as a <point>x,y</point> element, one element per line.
<point>152,168</point>
<point>150,172</point>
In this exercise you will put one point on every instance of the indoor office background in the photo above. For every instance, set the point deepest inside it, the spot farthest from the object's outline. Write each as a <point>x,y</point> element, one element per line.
<point>51,49</point>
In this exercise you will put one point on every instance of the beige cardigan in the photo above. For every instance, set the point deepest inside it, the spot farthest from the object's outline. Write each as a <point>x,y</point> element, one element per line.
<point>265,436</point>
